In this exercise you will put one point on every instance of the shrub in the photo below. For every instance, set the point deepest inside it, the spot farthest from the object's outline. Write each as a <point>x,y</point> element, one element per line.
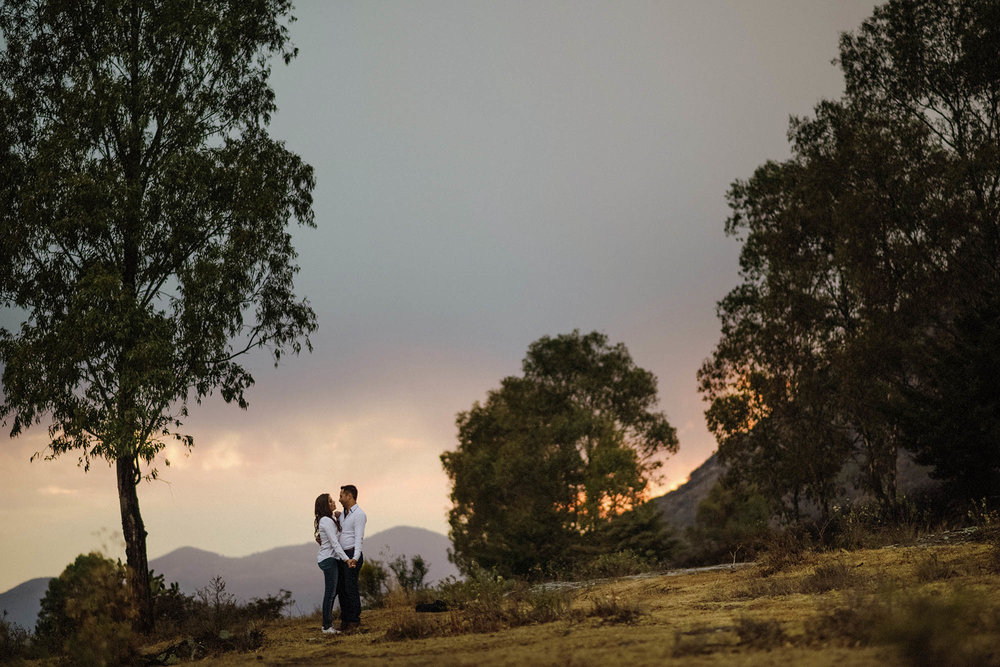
<point>485,602</point>
<point>760,634</point>
<point>373,583</point>
<point>830,576</point>
<point>171,608</point>
<point>948,630</point>
<point>782,549</point>
<point>958,628</point>
<point>930,568</point>
<point>615,609</point>
<point>14,640</point>
<point>87,615</point>
<point>215,622</point>
<point>867,524</point>
<point>410,626</point>
<point>410,578</point>
<point>619,564</point>
<point>730,521</point>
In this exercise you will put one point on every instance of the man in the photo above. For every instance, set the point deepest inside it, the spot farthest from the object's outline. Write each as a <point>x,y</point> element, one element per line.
<point>352,534</point>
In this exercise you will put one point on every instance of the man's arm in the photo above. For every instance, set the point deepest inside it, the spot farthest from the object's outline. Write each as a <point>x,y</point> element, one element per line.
<point>359,533</point>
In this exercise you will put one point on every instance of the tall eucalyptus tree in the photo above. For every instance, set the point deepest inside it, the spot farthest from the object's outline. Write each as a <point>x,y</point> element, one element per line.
<point>144,221</point>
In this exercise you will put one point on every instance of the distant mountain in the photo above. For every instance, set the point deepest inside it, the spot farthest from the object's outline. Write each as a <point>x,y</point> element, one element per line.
<point>292,568</point>
<point>678,507</point>
<point>24,601</point>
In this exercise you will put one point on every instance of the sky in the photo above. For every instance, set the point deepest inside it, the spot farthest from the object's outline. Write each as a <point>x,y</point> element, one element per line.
<point>488,173</point>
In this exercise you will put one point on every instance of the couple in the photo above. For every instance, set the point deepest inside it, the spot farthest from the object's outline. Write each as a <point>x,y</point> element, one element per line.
<point>339,537</point>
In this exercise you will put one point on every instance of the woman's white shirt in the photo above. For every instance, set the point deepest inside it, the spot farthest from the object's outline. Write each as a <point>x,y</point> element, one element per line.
<point>329,546</point>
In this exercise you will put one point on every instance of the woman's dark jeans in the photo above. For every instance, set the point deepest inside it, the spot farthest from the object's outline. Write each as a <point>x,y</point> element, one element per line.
<point>330,576</point>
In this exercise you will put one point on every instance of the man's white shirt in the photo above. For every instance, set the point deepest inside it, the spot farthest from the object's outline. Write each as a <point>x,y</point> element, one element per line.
<point>352,533</point>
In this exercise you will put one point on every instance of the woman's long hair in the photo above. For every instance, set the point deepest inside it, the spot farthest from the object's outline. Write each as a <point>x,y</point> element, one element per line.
<point>323,509</point>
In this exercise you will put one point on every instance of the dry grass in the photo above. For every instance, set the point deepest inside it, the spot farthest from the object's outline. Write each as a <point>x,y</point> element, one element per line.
<point>890,606</point>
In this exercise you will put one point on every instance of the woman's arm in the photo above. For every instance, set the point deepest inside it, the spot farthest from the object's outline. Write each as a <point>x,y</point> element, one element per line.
<point>329,532</point>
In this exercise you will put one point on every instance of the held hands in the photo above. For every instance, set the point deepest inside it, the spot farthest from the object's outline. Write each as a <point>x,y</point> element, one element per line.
<point>352,563</point>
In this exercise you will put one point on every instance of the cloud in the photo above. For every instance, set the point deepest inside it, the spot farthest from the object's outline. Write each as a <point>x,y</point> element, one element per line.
<point>58,491</point>
<point>223,454</point>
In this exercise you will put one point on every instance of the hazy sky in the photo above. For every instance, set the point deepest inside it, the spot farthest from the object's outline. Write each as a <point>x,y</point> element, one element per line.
<point>487,173</point>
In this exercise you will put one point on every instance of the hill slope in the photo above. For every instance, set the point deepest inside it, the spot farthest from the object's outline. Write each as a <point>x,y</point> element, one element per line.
<point>23,602</point>
<point>932,604</point>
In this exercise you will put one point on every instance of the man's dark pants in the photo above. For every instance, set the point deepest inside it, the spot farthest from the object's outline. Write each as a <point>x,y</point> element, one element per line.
<point>348,592</point>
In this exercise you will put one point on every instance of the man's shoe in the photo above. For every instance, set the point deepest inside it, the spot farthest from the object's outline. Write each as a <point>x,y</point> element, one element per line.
<point>352,627</point>
<point>331,631</point>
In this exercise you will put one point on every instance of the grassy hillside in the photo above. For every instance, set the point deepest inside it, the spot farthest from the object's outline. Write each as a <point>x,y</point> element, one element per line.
<point>936,602</point>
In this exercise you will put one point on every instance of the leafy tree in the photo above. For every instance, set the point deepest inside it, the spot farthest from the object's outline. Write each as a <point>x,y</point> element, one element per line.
<point>553,456</point>
<point>937,65</point>
<point>143,219</point>
<point>869,266</point>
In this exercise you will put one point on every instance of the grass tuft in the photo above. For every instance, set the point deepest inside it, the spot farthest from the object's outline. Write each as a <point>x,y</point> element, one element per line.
<point>614,609</point>
<point>764,633</point>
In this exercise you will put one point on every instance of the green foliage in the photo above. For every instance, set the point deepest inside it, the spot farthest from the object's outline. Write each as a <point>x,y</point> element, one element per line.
<point>86,616</point>
<point>212,621</point>
<point>732,521</point>
<point>86,613</point>
<point>14,641</point>
<point>373,582</point>
<point>484,602</point>
<point>640,531</point>
<point>143,219</point>
<point>410,578</point>
<point>554,455</point>
<point>868,319</point>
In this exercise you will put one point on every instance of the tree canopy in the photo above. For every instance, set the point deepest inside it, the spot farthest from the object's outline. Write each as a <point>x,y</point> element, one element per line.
<point>144,214</point>
<point>867,315</point>
<point>554,456</point>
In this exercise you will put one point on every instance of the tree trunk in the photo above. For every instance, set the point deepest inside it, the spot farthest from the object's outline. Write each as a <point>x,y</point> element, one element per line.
<point>135,544</point>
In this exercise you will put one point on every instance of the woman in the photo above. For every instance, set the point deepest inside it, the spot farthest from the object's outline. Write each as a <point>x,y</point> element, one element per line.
<point>326,528</point>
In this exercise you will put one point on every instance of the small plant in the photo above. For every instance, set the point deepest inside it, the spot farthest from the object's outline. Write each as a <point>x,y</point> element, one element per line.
<point>983,516</point>
<point>410,578</point>
<point>831,576</point>
<point>614,609</point>
<point>219,604</point>
<point>781,550</point>
<point>410,626</point>
<point>760,634</point>
<point>930,568</point>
